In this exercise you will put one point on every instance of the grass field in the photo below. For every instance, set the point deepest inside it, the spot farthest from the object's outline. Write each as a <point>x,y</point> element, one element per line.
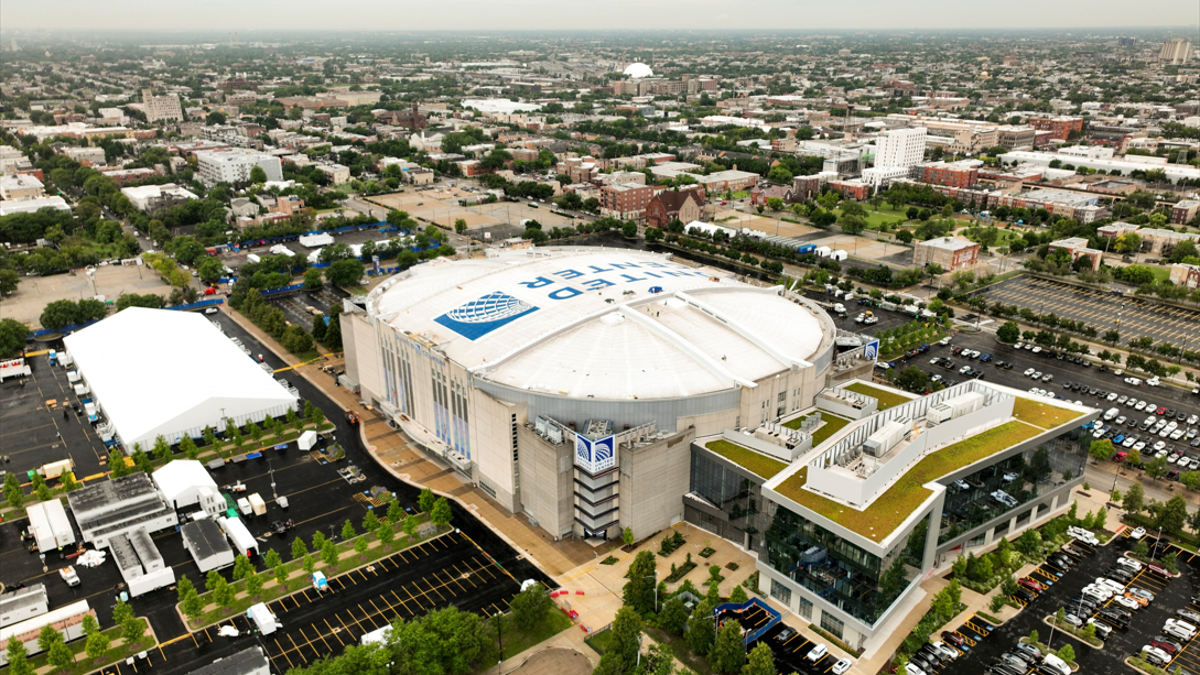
<point>886,399</point>
<point>886,513</point>
<point>1041,414</point>
<point>747,459</point>
<point>832,424</point>
<point>875,219</point>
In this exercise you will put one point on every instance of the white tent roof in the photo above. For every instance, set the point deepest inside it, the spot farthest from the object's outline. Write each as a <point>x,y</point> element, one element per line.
<point>178,476</point>
<point>158,371</point>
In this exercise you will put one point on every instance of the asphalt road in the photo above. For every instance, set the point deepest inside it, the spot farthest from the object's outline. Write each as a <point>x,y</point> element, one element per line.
<point>1146,623</point>
<point>320,500</point>
<point>1132,316</point>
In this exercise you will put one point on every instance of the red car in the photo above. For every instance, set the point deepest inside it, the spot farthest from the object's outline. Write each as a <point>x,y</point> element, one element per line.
<point>1120,456</point>
<point>953,638</point>
<point>1159,570</point>
<point>1165,646</point>
<point>1161,410</point>
<point>1031,584</point>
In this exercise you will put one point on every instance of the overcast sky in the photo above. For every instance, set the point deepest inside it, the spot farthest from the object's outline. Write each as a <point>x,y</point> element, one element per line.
<point>248,15</point>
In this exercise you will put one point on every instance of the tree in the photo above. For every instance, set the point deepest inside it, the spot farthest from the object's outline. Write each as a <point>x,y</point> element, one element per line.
<point>395,512</point>
<point>622,652</point>
<point>1009,332</point>
<point>386,533</point>
<point>242,567</point>
<point>530,606</point>
<point>370,521</point>
<point>1067,653</point>
<point>360,547</point>
<point>760,662</point>
<point>47,637</point>
<point>410,527</point>
<point>1101,450</point>
<point>700,631</point>
<point>309,564</point>
<point>312,278</point>
<point>460,225</point>
<point>329,554</point>
<point>133,629</point>
<point>674,616</point>
<point>728,654</point>
<point>188,447</point>
<point>18,658</point>
<point>1190,480</point>
<point>12,335</point>
<point>223,594</point>
<point>627,536</point>
<point>97,642</point>
<point>1156,468</point>
<point>1172,516</point>
<point>298,548</point>
<point>348,532</point>
<point>629,230</point>
<point>779,175</point>
<point>258,175</point>
<point>59,655</point>
<point>344,272</point>
<point>642,579</point>
<point>425,500</point>
<point>441,515</point>
<point>253,583</point>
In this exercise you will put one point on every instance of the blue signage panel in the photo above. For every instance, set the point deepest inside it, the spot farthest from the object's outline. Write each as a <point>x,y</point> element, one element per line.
<point>477,318</point>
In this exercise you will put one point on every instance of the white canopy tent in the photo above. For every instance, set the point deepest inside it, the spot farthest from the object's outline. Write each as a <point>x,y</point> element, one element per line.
<point>157,372</point>
<point>182,480</point>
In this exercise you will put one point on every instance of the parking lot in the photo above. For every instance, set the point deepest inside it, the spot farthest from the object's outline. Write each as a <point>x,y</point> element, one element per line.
<point>1132,316</point>
<point>790,649</point>
<point>295,305</point>
<point>447,570</point>
<point>986,643</point>
<point>320,499</point>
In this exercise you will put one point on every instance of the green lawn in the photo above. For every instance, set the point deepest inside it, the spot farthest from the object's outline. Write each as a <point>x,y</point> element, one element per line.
<point>877,218</point>
<point>887,512</point>
<point>832,424</point>
<point>1041,414</point>
<point>747,459</point>
<point>1160,273</point>
<point>517,640</point>
<point>600,641</point>
<point>886,399</point>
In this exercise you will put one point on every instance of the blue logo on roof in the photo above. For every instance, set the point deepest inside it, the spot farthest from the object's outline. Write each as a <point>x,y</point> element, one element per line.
<point>480,317</point>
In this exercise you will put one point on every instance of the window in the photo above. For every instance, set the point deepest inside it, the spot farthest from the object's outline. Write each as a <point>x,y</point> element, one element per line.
<point>784,594</point>
<point>782,396</point>
<point>805,609</point>
<point>832,625</point>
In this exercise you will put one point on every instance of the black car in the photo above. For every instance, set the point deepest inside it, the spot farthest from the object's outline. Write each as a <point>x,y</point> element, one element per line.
<point>1025,594</point>
<point>926,663</point>
<point>1112,617</point>
<point>1077,601</point>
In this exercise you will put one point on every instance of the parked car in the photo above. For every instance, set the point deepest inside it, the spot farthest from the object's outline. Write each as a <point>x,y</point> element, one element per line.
<point>816,653</point>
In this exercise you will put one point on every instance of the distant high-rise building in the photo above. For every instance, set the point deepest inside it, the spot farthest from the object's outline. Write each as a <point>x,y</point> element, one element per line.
<point>900,148</point>
<point>1175,52</point>
<point>161,107</point>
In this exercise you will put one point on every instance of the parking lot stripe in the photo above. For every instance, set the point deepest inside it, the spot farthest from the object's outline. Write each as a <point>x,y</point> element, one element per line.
<point>283,653</point>
<point>333,632</point>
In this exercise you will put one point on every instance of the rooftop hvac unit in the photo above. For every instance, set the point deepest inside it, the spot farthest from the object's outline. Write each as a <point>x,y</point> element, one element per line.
<point>885,438</point>
<point>939,413</point>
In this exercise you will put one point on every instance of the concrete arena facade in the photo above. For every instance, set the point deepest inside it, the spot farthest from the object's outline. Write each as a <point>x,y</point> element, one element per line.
<point>569,383</point>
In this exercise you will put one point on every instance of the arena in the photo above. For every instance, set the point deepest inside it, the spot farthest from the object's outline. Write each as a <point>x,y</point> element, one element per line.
<point>569,383</point>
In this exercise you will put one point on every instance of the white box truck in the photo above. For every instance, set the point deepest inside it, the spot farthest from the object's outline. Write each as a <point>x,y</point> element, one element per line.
<point>257,503</point>
<point>263,618</point>
<point>243,542</point>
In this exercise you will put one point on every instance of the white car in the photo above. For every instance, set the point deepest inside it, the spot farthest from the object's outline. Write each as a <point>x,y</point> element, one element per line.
<point>1193,419</point>
<point>1112,396</point>
<point>1139,446</point>
<point>1141,405</point>
<point>1160,446</point>
<point>1030,371</point>
<point>1110,585</point>
<point>1126,602</point>
<point>841,667</point>
<point>816,653</point>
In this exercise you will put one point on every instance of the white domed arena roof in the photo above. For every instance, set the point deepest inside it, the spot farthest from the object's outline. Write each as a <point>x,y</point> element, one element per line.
<point>638,70</point>
<point>600,323</point>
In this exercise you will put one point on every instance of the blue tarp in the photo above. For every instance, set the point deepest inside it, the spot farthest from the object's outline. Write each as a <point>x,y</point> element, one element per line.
<point>741,607</point>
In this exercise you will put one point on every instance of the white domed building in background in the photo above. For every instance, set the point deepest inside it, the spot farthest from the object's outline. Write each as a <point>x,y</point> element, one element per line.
<point>557,379</point>
<point>638,70</point>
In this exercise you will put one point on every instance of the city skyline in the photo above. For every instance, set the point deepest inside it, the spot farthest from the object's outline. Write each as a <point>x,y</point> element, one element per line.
<point>375,16</point>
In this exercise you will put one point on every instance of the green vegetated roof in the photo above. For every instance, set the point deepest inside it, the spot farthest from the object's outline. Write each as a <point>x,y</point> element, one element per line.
<point>1041,414</point>
<point>890,509</point>
<point>750,460</point>
<point>832,424</point>
<point>886,399</point>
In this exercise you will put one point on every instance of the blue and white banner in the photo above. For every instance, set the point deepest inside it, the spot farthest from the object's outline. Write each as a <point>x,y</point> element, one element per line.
<point>479,317</point>
<point>871,350</point>
<point>595,456</point>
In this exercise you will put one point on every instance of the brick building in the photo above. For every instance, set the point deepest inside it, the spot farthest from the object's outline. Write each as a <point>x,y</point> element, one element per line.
<point>956,174</point>
<point>1059,127</point>
<point>1186,275</point>
<point>952,253</point>
<point>851,189</point>
<point>685,204</point>
<point>626,201</point>
<point>1078,248</point>
<point>1183,212</point>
